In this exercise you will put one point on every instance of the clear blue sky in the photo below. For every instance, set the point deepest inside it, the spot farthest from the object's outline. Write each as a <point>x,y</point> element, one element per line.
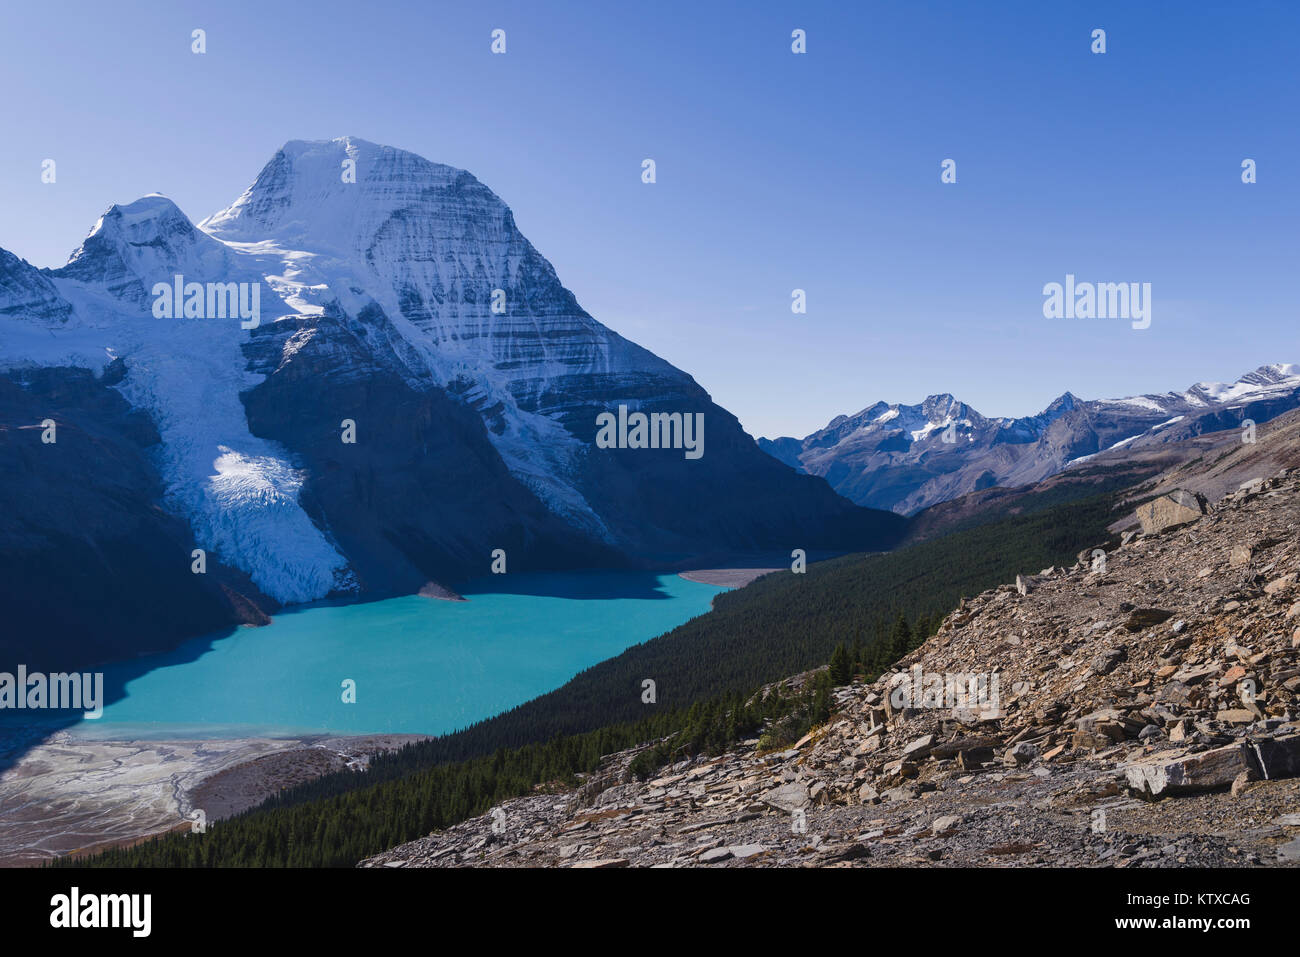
<point>775,171</point>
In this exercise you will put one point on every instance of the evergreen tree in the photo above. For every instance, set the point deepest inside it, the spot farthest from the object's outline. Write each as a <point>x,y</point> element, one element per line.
<point>841,672</point>
<point>900,639</point>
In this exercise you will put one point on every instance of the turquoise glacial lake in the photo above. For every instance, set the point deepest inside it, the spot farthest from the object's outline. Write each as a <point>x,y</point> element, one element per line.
<point>421,666</point>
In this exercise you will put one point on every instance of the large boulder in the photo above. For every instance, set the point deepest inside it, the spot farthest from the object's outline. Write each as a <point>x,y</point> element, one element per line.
<point>1179,507</point>
<point>788,797</point>
<point>1182,773</point>
<point>1179,772</point>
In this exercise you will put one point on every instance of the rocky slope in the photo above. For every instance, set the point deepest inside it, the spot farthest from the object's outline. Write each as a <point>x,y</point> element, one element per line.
<point>1146,715</point>
<point>1224,462</point>
<point>474,425</point>
<point>896,456</point>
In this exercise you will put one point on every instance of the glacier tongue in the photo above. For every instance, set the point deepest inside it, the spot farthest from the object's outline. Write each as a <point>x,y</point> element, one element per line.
<point>239,492</point>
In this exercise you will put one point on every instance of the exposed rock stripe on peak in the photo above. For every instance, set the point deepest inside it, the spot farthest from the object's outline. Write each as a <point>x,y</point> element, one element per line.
<point>25,292</point>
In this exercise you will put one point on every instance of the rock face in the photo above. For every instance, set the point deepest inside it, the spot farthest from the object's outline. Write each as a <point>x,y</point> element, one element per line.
<point>408,304</point>
<point>908,457</point>
<point>1180,507</point>
<point>1106,745</point>
<point>25,292</point>
<point>90,567</point>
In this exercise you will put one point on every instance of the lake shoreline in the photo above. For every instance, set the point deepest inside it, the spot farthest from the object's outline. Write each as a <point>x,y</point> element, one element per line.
<point>76,796</point>
<point>726,577</point>
<point>407,664</point>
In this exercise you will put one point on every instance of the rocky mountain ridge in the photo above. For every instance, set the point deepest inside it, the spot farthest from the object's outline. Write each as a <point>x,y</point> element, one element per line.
<point>908,457</point>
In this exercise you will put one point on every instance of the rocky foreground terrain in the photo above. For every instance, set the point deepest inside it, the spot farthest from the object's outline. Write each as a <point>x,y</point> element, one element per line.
<point>1146,715</point>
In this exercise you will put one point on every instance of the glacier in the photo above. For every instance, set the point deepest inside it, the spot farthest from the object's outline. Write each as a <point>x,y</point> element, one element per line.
<point>239,492</point>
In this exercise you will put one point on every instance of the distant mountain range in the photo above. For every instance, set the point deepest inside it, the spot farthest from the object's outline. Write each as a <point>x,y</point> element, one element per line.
<point>402,300</point>
<point>908,457</point>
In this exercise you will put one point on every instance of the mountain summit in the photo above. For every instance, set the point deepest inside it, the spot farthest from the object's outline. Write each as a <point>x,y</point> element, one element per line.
<point>418,390</point>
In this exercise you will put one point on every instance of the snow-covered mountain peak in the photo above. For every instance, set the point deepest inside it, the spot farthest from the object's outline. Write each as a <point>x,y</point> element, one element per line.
<point>133,246</point>
<point>1267,378</point>
<point>429,243</point>
<point>147,221</point>
<point>398,293</point>
<point>941,408</point>
<point>332,194</point>
<point>1271,375</point>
